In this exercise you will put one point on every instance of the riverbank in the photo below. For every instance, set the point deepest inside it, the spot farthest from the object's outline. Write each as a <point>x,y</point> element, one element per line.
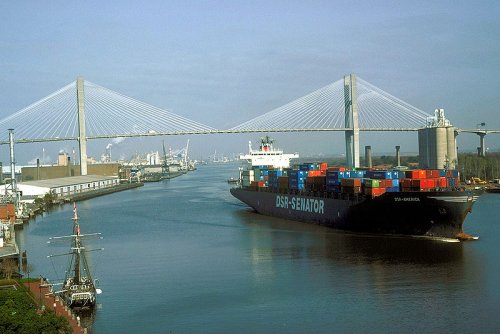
<point>100,192</point>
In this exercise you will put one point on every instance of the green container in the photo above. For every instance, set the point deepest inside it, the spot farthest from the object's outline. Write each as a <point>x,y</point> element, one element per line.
<point>372,183</point>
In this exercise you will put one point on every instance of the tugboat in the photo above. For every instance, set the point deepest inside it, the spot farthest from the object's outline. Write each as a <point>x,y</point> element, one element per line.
<point>78,289</point>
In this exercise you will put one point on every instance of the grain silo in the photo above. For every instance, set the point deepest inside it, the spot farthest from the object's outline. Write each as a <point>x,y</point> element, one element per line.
<point>437,143</point>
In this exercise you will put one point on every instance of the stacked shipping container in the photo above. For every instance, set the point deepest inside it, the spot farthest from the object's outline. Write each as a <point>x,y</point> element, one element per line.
<point>319,178</point>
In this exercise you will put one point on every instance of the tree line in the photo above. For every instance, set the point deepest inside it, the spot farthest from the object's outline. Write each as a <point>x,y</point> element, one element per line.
<point>486,168</point>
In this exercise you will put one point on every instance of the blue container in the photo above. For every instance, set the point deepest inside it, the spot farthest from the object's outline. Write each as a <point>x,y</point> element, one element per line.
<point>298,186</point>
<point>334,174</point>
<point>275,173</point>
<point>395,183</point>
<point>360,174</point>
<point>442,172</point>
<point>451,182</point>
<point>333,189</point>
<point>297,173</point>
<point>379,174</point>
<point>333,182</point>
<point>308,166</point>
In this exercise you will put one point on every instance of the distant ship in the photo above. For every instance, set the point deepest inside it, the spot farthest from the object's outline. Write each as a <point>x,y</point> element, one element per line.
<point>426,203</point>
<point>78,289</point>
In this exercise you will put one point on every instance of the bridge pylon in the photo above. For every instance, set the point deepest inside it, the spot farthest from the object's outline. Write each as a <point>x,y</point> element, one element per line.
<point>351,121</point>
<point>82,136</point>
<point>482,144</point>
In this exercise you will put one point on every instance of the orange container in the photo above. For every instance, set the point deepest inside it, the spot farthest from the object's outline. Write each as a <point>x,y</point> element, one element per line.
<point>374,191</point>
<point>313,173</point>
<point>350,182</point>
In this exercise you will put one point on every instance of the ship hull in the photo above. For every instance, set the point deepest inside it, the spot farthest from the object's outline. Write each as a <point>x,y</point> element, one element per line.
<point>431,214</point>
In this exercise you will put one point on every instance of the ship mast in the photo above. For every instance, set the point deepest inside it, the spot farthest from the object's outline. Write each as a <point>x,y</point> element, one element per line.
<point>76,246</point>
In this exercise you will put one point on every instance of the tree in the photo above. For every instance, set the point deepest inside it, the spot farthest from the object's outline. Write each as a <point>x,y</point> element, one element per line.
<point>9,267</point>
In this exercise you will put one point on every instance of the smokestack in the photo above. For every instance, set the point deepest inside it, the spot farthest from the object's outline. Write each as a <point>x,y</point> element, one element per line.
<point>398,156</point>
<point>69,166</point>
<point>368,156</point>
<point>38,169</point>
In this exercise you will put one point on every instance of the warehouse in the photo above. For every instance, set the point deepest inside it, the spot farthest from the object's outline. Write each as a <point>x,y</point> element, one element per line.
<point>64,186</point>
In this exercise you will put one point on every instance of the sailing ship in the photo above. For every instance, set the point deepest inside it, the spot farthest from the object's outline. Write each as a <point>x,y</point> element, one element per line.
<point>78,289</point>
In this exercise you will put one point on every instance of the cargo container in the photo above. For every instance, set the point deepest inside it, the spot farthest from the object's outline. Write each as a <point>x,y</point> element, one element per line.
<point>371,183</point>
<point>374,191</point>
<point>350,182</point>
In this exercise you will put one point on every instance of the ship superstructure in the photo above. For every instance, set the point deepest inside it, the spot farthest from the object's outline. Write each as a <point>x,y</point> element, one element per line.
<point>267,155</point>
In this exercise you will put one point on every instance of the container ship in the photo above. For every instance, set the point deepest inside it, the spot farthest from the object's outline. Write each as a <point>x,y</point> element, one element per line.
<point>425,203</point>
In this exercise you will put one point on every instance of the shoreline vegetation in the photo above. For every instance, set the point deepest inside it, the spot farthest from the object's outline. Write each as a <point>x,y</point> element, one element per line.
<point>20,312</point>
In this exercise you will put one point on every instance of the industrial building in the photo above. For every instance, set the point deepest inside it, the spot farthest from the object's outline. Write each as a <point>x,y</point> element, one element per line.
<point>50,172</point>
<point>64,186</point>
<point>437,143</point>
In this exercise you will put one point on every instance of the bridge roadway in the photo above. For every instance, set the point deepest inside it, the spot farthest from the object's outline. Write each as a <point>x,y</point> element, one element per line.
<point>479,132</point>
<point>210,132</point>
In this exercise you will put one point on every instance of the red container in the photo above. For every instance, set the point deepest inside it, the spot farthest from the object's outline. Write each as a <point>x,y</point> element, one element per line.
<point>323,166</point>
<point>432,173</point>
<point>338,169</point>
<point>374,191</point>
<point>406,183</point>
<point>416,174</point>
<point>258,184</point>
<point>418,183</point>
<point>442,182</point>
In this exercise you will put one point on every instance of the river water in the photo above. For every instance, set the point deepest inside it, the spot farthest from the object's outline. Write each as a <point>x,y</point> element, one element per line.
<point>184,256</point>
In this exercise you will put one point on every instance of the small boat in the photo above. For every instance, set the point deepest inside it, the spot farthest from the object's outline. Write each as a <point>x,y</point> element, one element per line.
<point>78,289</point>
<point>494,190</point>
<point>233,180</point>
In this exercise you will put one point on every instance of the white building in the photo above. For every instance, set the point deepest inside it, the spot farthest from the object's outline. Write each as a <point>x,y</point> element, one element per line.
<point>64,186</point>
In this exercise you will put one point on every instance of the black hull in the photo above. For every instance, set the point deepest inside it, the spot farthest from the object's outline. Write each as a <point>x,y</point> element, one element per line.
<point>431,214</point>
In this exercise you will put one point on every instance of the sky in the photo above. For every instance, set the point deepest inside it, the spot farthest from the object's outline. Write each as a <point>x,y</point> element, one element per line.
<point>224,62</point>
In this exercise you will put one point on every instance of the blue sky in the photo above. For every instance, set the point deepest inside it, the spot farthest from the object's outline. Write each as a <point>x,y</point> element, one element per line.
<point>224,62</point>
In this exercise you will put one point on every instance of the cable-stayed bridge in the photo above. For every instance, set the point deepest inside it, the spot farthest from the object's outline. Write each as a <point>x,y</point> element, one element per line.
<point>84,111</point>
<point>109,114</point>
